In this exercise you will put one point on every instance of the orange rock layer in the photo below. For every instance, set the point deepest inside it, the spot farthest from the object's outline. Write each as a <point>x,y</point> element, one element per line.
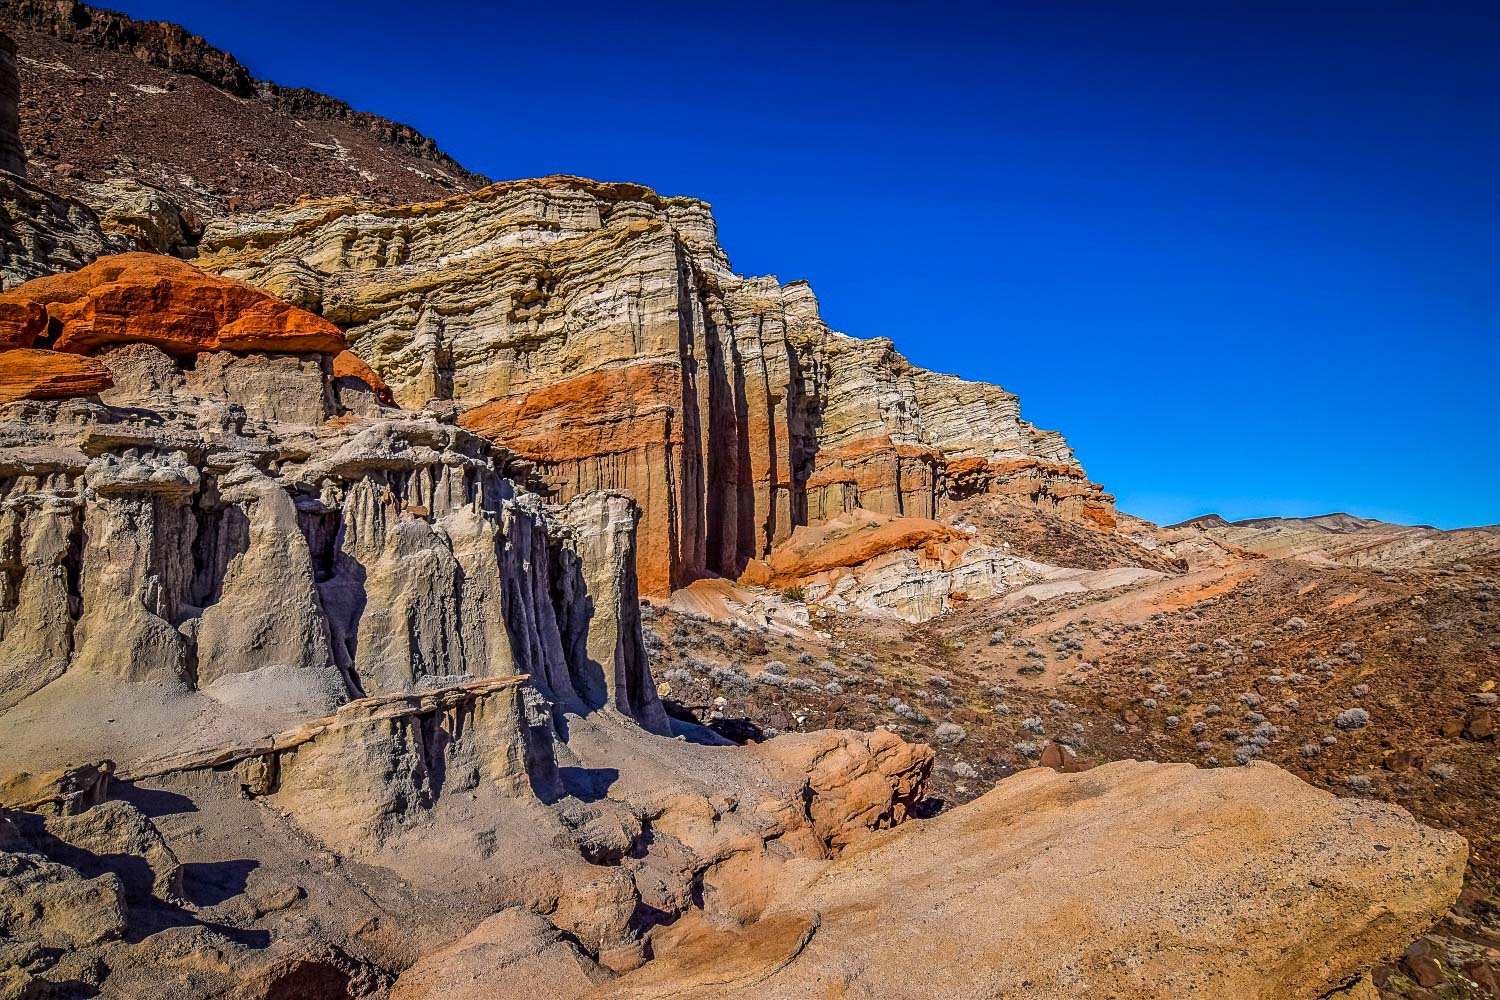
<point>347,364</point>
<point>850,540</point>
<point>158,300</point>
<point>610,429</point>
<point>32,374</point>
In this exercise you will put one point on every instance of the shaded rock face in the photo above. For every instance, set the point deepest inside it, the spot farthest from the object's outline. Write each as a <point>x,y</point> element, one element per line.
<point>12,156</point>
<point>598,331</point>
<point>43,233</point>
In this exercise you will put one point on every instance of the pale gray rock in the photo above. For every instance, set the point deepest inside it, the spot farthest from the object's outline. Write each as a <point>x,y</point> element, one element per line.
<point>42,233</point>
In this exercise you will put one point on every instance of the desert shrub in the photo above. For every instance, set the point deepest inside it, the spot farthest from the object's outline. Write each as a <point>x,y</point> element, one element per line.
<point>905,711</point>
<point>794,593</point>
<point>950,733</point>
<point>1033,724</point>
<point>732,678</point>
<point>775,667</point>
<point>963,769</point>
<point>1352,718</point>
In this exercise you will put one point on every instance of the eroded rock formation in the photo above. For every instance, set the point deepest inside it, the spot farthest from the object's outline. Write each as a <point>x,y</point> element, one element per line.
<point>598,331</point>
<point>305,694</point>
<point>1262,887</point>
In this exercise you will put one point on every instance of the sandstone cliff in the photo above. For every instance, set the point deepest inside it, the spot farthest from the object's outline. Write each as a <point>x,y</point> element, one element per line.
<point>598,331</point>
<point>256,536</point>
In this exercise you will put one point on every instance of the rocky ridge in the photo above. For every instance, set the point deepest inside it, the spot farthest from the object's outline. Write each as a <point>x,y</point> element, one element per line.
<point>107,100</point>
<point>599,331</point>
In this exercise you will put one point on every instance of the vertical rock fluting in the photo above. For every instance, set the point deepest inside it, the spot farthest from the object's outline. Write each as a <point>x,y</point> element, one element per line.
<point>593,572</point>
<point>12,154</point>
<point>212,530</point>
<point>598,331</point>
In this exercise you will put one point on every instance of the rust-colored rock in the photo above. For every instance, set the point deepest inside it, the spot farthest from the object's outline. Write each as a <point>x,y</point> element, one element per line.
<point>159,300</point>
<point>347,364</point>
<point>21,323</point>
<point>29,374</point>
<point>1481,726</point>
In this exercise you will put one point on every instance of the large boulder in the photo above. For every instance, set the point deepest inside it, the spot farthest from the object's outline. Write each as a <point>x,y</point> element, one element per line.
<point>1129,880</point>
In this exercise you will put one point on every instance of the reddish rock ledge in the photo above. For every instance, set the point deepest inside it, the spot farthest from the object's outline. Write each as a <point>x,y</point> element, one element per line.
<point>158,300</point>
<point>29,374</point>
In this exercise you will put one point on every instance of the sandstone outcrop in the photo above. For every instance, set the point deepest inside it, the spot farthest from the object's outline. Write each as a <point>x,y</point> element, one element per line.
<point>27,374</point>
<point>914,569</point>
<point>598,331</point>
<point>152,299</point>
<point>1262,887</point>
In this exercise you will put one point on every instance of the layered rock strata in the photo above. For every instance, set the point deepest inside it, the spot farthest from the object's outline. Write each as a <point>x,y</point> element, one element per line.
<point>1260,886</point>
<point>267,551</point>
<point>599,331</point>
<point>914,569</point>
<point>43,233</point>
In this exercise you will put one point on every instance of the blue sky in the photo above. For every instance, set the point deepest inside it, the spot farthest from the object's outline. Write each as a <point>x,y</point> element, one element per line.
<point>1246,256</point>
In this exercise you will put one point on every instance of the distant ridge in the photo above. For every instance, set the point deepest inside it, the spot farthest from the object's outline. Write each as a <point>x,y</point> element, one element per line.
<point>104,96</point>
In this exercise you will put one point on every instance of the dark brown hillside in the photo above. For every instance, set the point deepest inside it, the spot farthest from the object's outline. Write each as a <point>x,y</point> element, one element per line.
<point>104,96</point>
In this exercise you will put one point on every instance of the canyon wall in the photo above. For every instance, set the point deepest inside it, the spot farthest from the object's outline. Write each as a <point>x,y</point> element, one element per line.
<point>599,331</point>
<point>232,518</point>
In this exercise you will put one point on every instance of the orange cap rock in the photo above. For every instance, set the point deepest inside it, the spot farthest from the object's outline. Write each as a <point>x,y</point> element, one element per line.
<point>162,301</point>
<point>347,364</point>
<point>30,374</point>
<point>21,323</point>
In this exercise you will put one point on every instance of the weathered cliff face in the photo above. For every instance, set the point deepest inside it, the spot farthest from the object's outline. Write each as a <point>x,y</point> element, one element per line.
<point>598,331</point>
<point>267,554</point>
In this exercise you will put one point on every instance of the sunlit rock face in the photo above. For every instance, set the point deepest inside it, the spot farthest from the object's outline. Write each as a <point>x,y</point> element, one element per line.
<point>598,331</point>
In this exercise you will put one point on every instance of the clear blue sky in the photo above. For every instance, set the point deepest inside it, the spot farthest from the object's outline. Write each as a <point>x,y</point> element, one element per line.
<point>1246,256</point>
